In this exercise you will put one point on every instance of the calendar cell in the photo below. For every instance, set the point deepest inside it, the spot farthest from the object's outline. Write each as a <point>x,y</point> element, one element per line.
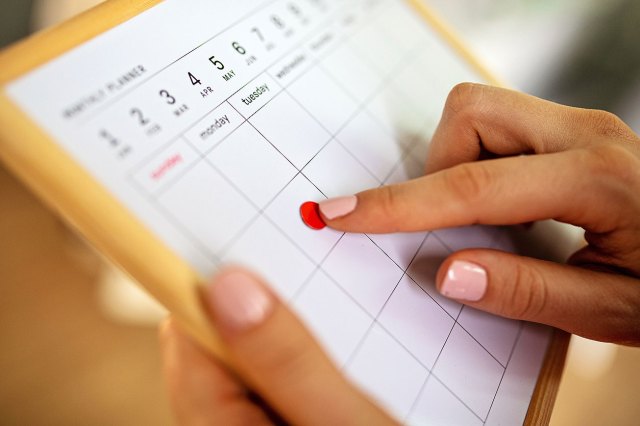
<point>255,95</point>
<point>254,166</point>
<point>438,406</point>
<point>286,216</point>
<point>166,167</point>
<point>395,383</point>
<point>475,387</point>
<point>348,323</point>
<point>410,304</point>
<point>211,130</point>
<point>367,274</point>
<point>295,133</point>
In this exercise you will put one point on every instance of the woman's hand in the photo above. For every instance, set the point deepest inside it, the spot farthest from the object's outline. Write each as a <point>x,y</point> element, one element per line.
<point>273,356</point>
<point>542,161</point>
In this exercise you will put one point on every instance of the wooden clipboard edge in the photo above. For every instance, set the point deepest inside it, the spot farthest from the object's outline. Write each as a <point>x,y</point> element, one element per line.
<point>63,184</point>
<point>546,391</point>
<point>544,396</point>
<point>451,36</point>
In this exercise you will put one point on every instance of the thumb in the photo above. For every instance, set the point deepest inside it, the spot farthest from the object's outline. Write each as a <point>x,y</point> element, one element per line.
<point>276,357</point>
<point>596,305</point>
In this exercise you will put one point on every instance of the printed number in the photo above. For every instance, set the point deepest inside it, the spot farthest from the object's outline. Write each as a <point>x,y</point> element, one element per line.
<point>295,9</point>
<point>194,80</point>
<point>137,113</point>
<point>241,50</point>
<point>277,21</point>
<point>216,63</point>
<point>170,99</point>
<point>112,140</point>
<point>258,33</point>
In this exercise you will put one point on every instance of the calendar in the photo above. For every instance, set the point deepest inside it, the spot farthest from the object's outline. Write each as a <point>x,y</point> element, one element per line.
<point>211,122</point>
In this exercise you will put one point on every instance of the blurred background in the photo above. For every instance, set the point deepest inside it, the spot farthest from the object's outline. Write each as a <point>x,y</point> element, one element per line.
<point>75,352</point>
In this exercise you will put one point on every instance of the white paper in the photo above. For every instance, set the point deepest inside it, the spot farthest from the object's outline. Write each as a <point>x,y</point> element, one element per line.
<point>213,121</point>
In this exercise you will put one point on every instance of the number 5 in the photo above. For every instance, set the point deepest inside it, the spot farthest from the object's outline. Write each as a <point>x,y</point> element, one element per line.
<point>216,63</point>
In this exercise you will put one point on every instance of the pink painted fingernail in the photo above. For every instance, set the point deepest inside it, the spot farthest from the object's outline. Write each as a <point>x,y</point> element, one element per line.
<point>238,301</point>
<point>465,281</point>
<point>338,207</point>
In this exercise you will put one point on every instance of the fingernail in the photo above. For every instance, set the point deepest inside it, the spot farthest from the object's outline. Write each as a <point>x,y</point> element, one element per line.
<point>338,207</point>
<point>465,281</point>
<point>238,302</point>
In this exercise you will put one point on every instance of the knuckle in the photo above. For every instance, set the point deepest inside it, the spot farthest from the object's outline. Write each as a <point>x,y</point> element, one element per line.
<point>620,317</point>
<point>627,325</point>
<point>468,182</point>
<point>607,125</point>
<point>528,296</point>
<point>464,95</point>
<point>388,201</point>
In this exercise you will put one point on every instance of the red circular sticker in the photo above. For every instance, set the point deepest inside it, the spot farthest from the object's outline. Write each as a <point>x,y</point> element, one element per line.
<point>310,213</point>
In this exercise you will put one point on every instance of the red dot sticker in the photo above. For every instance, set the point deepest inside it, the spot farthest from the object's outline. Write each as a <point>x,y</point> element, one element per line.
<point>310,213</point>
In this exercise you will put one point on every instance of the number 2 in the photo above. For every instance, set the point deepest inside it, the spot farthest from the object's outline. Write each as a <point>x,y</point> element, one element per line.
<point>137,113</point>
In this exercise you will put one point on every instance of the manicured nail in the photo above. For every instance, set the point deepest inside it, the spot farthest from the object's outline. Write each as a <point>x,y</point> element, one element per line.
<point>238,301</point>
<point>338,207</point>
<point>465,281</point>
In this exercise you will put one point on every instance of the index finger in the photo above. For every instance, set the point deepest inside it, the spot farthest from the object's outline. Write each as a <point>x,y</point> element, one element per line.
<point>478,119</point>
<point>563,186</point>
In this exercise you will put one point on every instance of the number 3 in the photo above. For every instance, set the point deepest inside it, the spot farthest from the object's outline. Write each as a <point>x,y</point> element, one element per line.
<point>170,99</point>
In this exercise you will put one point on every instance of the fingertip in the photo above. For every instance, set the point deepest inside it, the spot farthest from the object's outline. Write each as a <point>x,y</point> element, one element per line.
<point>238,301</point>
<point>377,210</point>
<point>336,208</point>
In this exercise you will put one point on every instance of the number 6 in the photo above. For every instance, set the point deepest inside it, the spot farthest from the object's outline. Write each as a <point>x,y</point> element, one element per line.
<point>241,50</point>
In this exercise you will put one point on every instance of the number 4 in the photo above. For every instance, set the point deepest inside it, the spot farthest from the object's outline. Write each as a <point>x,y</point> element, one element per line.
<point>194,79</point>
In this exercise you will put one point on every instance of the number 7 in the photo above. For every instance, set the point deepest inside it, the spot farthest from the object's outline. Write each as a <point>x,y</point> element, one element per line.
<point>258,33</point>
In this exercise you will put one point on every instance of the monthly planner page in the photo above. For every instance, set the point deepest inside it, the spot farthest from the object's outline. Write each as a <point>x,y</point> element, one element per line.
<point>213,121</point>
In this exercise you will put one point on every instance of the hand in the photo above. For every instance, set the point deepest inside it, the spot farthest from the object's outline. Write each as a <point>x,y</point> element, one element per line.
<point>273,356</point>
<point>546,161</point>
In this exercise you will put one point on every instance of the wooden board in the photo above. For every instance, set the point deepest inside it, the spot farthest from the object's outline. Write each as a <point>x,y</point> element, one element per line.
<point>63,184</point>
